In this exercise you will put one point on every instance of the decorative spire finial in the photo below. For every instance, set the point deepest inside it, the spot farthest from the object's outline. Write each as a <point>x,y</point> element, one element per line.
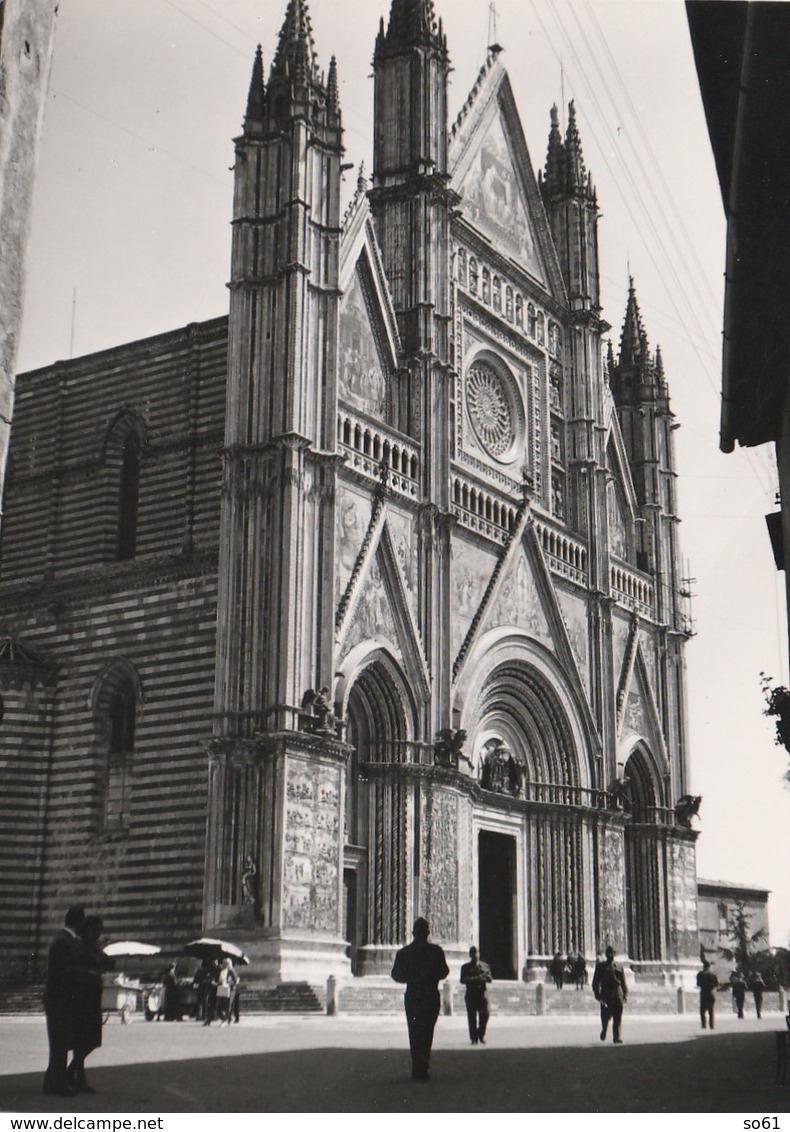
<point>256,98</point>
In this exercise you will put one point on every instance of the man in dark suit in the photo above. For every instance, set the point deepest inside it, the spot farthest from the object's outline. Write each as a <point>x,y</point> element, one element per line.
<point>610,989</point>
<point>421,966</point>
<point>475,976</point>
<point>66,965</point>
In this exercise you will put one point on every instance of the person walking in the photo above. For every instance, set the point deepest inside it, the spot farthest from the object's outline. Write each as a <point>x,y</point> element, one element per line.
<point>421,966</point>
<point>707,983</point>
<point>66,966</point>
<point>475,976</point>
<point>738,984</point>
<point>611,990</point>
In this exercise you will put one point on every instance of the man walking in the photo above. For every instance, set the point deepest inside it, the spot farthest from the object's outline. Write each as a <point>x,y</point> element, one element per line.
<point>475,976</point>
<point>67,964</point>
<point>707,983</point>
<point>610,989</point>
<point>421,966</point>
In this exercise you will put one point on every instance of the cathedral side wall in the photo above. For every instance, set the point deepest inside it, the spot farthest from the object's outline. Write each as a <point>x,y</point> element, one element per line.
<point>61,497</point>
<point>146,879</point>
<point>65,595</point>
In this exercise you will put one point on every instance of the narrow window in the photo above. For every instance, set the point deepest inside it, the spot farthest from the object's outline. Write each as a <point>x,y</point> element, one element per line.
<point>486,285</point>
<point>128,494</point>
<point>474,278</point>
<point>122,715</point>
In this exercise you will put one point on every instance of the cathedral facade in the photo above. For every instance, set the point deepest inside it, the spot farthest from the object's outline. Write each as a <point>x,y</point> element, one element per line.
<point>363,602</point>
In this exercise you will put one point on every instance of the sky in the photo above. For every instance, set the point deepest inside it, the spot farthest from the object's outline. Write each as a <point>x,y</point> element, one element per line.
<point>131,237</point>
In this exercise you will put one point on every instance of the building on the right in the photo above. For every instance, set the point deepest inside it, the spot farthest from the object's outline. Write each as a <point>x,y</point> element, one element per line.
<point>743,64</point>
<point>731,916</point>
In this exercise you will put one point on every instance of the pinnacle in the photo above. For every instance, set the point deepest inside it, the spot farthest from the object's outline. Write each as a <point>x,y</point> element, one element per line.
<point>555,157</point>
<point>295,56</point>
<point>573,147</point>
<point>633,340</point>
<point>257,94</point>
<point>411,23</point>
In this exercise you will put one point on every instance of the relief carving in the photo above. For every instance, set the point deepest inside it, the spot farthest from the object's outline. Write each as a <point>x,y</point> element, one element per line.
<point>312,824</point>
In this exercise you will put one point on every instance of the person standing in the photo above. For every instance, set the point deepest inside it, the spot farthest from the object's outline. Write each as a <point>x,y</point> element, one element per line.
<point>227,981</point>
<point>475,976</point>
<point>171,996</point>
<point>421,966</point>
<point>66,967</point>
<point>707,983</point>
<point>579,972</point>
<point>757,987</point>
<point>611,990</point>
<point>557,970</point>
<point>88,1012</point>
<point>738,984</point>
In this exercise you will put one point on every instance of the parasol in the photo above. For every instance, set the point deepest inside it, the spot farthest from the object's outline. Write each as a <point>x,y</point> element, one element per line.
<point>215,949</point>
<point>131,947</point>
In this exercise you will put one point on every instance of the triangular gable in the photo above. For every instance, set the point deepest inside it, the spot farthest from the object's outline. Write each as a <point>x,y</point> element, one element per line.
<point>492,171</point>
<point>363,366</point>
<point>640,716</point>
<point>620,497</point>
<point>521,594</point>
<point>617,458</point>
<point>377,606</point>
<point>369,342</point>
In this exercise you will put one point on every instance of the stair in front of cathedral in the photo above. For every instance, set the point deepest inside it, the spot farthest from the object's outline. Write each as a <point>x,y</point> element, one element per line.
<point>284,998</point>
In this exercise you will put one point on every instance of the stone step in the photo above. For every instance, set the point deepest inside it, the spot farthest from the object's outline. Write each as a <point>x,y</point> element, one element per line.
<point>293,998</point>
<point>25,999</point>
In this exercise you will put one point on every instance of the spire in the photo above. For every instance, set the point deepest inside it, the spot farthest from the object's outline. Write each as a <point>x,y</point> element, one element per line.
<point>555,157</point>
<point>577,179</point>
<point>633,340</point>
<point>257,95</point>
<point>295,56</point>
<point>412,23</point>
<point>331,86</point>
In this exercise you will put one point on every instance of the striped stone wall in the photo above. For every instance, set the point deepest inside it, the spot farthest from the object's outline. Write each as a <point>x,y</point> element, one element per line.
<point>65,596</point>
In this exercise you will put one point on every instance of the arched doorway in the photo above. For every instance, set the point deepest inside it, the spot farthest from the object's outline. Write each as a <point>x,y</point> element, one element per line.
<point>519,712</point>
<point>374,860</point>
<point>644,864</point>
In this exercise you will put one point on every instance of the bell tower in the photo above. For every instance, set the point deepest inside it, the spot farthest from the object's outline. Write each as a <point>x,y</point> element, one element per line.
<point>411,201</point>
<point>276,765</point>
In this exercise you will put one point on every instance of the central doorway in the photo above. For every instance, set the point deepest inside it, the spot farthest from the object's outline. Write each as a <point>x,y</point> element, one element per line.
<point>496,875</point>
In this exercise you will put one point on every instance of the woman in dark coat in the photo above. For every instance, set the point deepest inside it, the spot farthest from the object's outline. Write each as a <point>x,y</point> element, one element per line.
<point>88,1013</point>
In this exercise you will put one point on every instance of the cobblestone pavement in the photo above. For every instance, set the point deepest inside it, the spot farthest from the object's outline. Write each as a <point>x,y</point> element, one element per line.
<point>360,1065</point>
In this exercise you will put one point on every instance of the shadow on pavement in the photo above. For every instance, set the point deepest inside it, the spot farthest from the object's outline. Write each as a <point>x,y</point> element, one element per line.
<point>711,1073</point>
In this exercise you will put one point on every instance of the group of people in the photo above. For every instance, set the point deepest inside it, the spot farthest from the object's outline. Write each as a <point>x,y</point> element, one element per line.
<point>217,986</point>
<point>574,969</point>
<point>72,1002</point>
<point>76,963</point>
<point>422,966</point>
<point>708,984</point>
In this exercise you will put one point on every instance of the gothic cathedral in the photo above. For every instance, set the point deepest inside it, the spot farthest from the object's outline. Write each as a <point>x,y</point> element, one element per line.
<point>364,602</point>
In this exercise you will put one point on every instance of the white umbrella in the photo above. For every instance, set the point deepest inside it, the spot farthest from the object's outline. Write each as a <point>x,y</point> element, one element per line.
<point>206,948</point>
<point>131,947</point>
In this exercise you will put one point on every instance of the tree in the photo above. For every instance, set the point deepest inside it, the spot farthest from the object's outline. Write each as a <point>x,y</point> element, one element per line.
<point>745,952</point>
<point>777,705</point>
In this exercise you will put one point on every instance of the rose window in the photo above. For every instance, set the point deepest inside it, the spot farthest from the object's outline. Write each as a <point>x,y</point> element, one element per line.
<point>490,409</point>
